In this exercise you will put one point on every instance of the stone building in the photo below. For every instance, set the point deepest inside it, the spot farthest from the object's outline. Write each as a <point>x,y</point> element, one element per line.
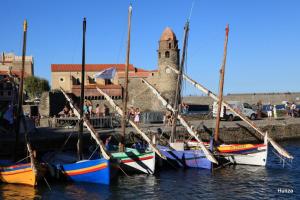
<point>68,77</point>
<point>10,70</point>
<point>9,61</point>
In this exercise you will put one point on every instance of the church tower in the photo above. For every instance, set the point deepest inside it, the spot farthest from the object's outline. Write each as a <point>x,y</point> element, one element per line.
<point>168,56</point>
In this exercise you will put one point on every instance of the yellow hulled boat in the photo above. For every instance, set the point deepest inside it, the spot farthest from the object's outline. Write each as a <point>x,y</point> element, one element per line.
<point>18,174</point>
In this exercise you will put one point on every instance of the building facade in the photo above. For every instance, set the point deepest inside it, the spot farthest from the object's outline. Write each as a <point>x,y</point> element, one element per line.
<point>9,61</point>
<point>68,77</point>
<point>10,71</point>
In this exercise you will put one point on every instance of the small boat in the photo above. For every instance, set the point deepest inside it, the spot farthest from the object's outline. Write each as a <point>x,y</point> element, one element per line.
<point>27,173</point>
<point>22,173</point>
<point>241,154</point>
<point>136,161</point>
<point>177,152</point>
<point>71,165</point>
<point>245,154</point>
<point>185,156</point>
<point>65,166</point>
<point>131,160</point>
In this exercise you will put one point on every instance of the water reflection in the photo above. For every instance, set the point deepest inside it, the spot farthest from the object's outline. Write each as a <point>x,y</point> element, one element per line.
<point>17,192</point>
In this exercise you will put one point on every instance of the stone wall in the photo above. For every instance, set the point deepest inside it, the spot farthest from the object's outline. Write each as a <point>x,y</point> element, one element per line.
<point>273,98</point>
<point>141,96</point>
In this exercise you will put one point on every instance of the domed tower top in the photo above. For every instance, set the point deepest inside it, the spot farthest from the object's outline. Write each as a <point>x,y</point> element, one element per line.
<point>167,35</point>
<point>168,56</point>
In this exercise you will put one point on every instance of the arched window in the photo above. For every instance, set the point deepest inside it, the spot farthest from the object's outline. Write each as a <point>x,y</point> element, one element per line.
<point>167,54</point>
<point>159,55</point>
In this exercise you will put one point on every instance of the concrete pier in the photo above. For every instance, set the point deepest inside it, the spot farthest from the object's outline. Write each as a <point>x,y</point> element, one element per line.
<point>45,138</point>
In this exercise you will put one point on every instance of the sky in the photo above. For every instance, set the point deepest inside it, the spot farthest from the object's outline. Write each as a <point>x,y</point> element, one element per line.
<point>263,46</point>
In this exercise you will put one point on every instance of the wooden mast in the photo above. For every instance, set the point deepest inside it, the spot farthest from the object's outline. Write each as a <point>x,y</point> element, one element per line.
<point>80,132</point>
<point>221,86</point>
<point>209,93</point>
<point>20,95</point>
<point>177,100</point>
<point>125,99</point>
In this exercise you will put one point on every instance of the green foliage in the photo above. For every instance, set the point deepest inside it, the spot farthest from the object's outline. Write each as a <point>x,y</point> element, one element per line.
<point>35,86</point>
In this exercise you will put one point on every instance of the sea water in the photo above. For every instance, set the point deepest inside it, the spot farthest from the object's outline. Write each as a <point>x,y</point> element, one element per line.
<point>233,182</point>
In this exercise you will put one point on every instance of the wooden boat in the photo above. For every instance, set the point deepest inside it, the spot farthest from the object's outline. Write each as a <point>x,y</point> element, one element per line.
<point>73,167</point>
<point>131,160</point>
<point>241,154</point>
<point>135,161</point>
<point>177,153</point>
<point>249,154</point>
<point>66,166</point>
<point>22,173</point>
<point>194,158</point>
<point>27,173</point>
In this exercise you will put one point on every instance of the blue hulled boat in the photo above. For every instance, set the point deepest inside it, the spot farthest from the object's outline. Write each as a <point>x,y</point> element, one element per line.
<point>186,158</point>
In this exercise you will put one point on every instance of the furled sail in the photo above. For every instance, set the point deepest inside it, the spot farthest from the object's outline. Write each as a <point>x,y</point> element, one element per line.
<point>207,153</point>
<point>279,149</point>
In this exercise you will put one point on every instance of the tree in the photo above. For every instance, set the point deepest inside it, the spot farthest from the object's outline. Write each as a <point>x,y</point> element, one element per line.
<point>35,86</point>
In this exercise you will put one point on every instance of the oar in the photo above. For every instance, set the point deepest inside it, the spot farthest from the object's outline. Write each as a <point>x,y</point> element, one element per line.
<point>279,149</point>
<point>92,131</point>
<point>207,153</point>
<point>120,112</point>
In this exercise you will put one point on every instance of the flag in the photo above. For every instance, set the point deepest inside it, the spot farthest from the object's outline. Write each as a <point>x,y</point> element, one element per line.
<point>106,74</point>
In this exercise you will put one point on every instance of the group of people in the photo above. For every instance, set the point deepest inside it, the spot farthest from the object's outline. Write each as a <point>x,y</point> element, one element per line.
<point>66,112</point>
<point>134,114</point>
<point>291,109</point>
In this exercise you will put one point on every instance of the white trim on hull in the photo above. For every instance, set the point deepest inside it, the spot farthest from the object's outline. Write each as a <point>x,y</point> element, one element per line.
<point>257,158</point>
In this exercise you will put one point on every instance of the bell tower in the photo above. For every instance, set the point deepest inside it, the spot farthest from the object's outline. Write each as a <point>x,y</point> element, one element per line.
<point>168,56</point>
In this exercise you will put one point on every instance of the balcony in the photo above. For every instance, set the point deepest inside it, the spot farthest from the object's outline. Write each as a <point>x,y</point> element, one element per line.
<point>90,91</point>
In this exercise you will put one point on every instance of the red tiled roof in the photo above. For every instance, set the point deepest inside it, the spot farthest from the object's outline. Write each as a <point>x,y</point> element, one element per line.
<point>88,67</point>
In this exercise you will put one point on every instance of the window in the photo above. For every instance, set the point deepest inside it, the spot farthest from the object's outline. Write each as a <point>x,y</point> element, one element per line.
<point>91,80</point>
<point>108,82</point>
<point>61,79</point>
<point>1,93</point>
<point>246,105</point>
<point>170,45</point>
<point>167,54</point>
<point>159,55</point>
<point>8,93</point>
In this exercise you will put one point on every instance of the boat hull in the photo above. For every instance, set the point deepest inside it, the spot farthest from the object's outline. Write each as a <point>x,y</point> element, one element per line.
<point>257,155</point>
<point>18,174</point>
<point>133,161</point>
<point>92,171</point>
<point>186,158</point>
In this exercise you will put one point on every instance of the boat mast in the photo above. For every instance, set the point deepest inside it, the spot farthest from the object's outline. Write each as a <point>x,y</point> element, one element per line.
<point>221,85</point>
<point>125,99</point>
<point>20,95</point>
<point>80,132</point>
<point>177,99</point>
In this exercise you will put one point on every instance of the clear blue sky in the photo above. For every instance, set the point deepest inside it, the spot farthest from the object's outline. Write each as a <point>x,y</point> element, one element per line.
<point>263,48</point>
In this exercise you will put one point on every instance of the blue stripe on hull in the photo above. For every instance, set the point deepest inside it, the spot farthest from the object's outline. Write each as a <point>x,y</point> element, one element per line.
<point>85,174</point>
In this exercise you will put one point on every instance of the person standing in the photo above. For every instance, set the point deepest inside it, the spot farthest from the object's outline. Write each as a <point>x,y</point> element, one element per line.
<point>269,110</point>
<point>137,116</point>
<point>293,109</point>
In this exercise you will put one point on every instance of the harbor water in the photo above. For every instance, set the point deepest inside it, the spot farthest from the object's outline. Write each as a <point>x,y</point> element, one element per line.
<point>231,182</point>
